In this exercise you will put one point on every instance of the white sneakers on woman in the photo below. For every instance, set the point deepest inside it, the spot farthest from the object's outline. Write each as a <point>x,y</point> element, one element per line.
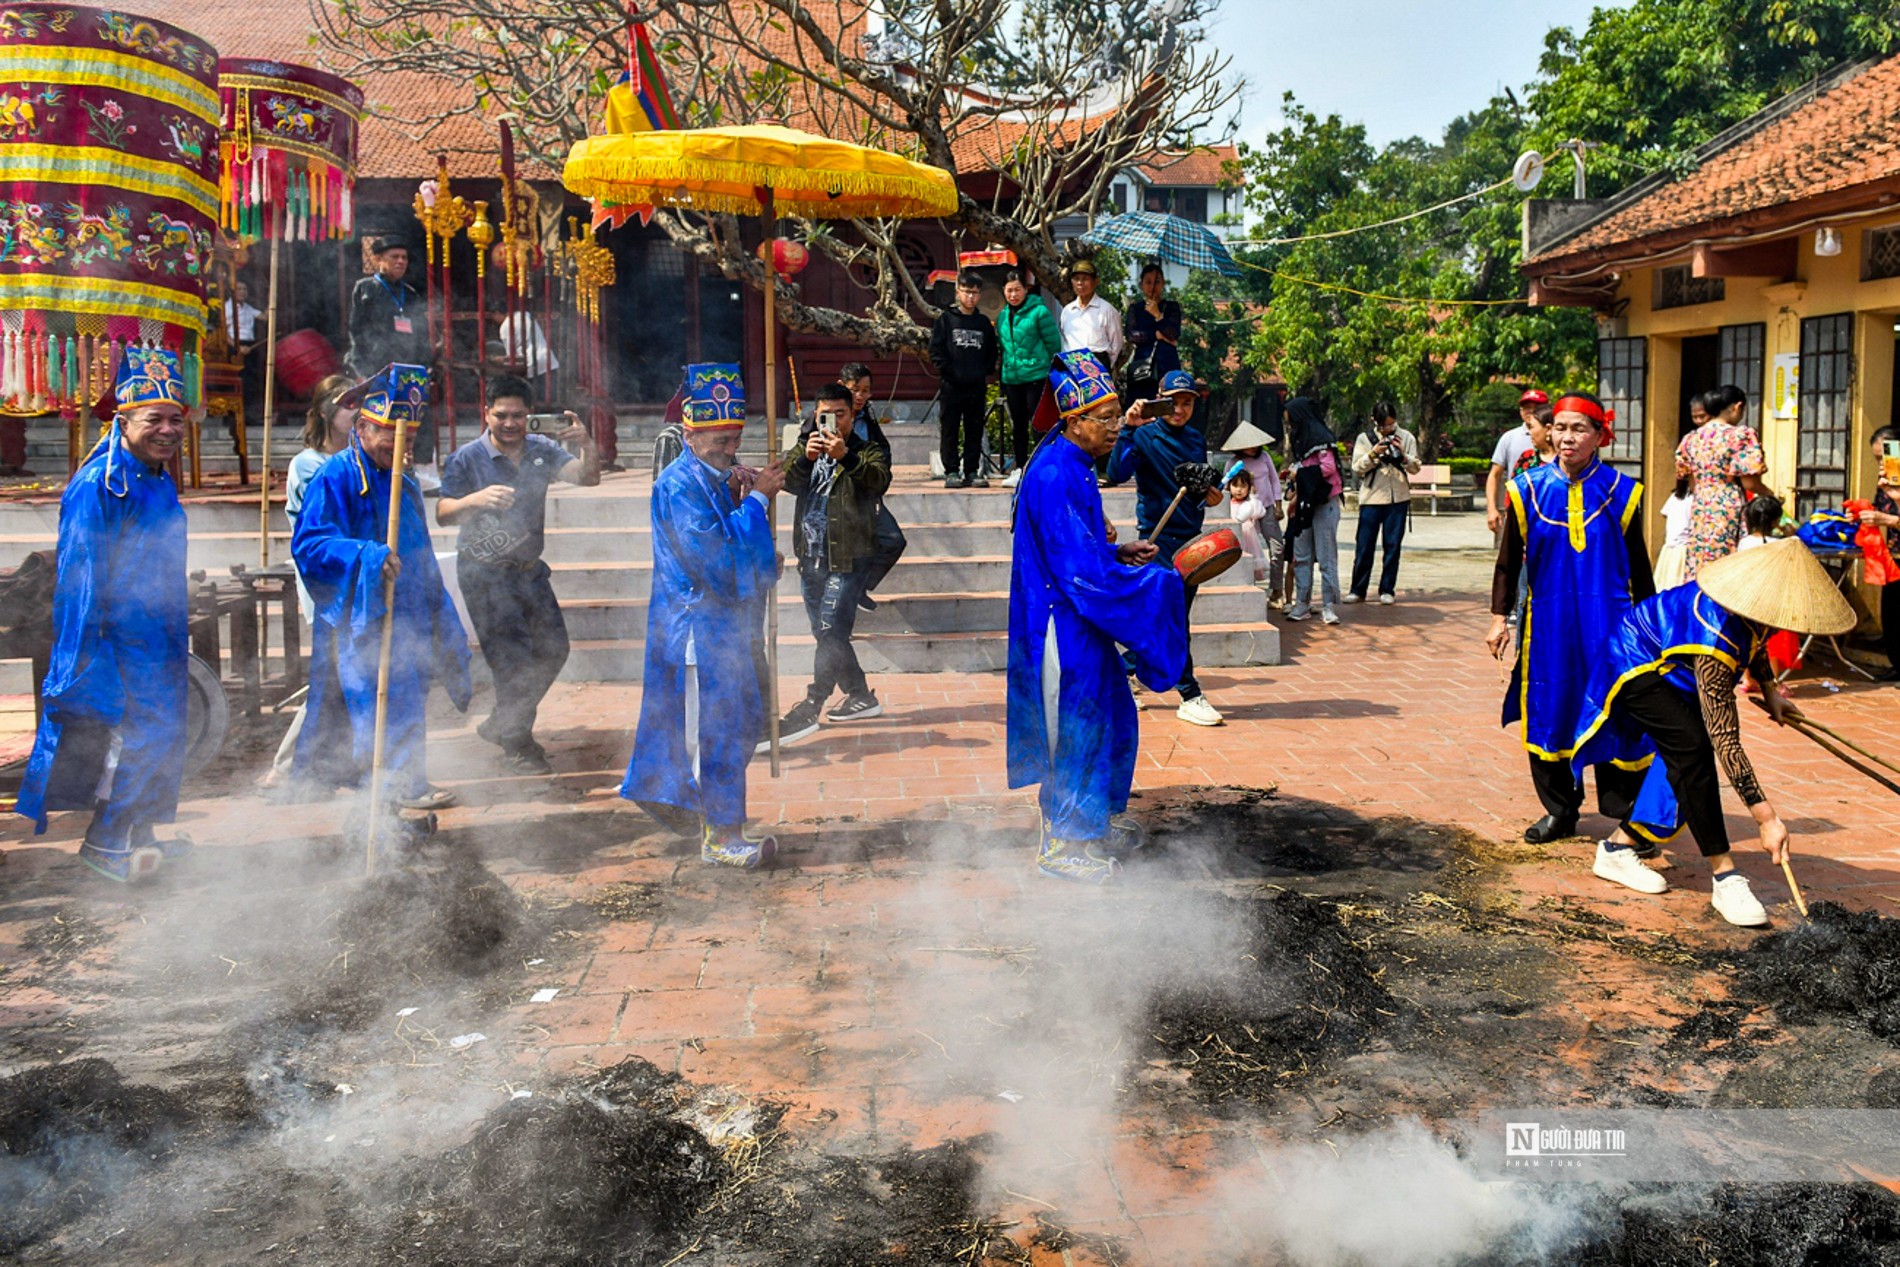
<point>1730,895</point>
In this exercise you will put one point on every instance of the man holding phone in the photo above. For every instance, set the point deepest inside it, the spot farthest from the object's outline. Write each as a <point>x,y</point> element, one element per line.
<point>1149,451</point>
<point>838,478</point>
<point>495,489</point>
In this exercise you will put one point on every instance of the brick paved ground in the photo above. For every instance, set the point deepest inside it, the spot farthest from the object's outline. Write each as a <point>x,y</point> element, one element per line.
<point>847,981</point>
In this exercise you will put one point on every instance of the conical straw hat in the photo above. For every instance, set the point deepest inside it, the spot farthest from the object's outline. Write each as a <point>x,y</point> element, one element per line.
<point>1779,585</point>
<point>1246,436</point>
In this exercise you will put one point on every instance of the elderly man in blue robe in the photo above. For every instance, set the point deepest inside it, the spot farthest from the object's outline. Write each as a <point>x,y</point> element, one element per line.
<point>112,735</point>
<point>1074,594</point>
<point>702,701</point>
<point>340,545</point>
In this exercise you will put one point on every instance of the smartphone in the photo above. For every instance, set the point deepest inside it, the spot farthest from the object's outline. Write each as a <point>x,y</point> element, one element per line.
<point>1890,462</point>
<point>827,423</point>
<point>545,424</point>
<point>1161,408</point>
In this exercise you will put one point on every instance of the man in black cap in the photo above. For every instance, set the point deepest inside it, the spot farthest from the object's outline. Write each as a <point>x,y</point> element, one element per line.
<point>389,324</point>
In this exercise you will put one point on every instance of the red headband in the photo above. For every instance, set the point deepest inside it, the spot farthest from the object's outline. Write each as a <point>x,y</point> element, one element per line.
<point>1585,406</point>
<point>1591,410</point>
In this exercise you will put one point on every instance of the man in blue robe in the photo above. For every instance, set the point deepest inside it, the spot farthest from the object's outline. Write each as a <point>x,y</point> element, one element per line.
<point>702,697</point>
<point>1575,531</point>
<point>1072,596</point>
<point>112,736</point>
<point>340,546</point>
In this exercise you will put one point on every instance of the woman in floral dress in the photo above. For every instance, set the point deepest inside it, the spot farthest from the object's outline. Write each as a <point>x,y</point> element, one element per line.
<point>1723,457</point>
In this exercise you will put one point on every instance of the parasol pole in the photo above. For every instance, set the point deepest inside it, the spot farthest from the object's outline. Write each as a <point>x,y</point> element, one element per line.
<point>771,446</point>
<point>382,662</point>
<point>270,409</point>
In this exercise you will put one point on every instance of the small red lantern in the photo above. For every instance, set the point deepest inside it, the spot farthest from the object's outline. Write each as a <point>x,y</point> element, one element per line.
<point>788,257</point>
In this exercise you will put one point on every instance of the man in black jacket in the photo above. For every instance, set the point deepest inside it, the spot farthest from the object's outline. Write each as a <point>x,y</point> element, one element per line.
<point>838,478</point>
<point>891,542</point>
<point>966,351</point>
<point>389,325</point>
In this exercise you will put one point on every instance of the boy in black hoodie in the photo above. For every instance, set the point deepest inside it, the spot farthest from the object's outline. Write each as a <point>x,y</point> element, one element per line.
<point>966,351</point>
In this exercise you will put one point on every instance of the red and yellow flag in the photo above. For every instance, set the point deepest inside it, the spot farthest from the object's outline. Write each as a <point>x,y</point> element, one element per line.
<point>640,102</point>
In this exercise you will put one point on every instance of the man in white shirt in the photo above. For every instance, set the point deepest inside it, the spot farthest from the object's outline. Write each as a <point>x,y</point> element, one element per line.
<point>240,317</point>
<point>1088,321</point>
<point>1509,454</point>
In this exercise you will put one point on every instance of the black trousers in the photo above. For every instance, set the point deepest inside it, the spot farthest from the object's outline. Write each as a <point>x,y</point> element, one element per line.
<point>1022,399</point>
<point>1673,719</point>
<point>523,637</point>
<point>1562,792</point>
<point>960,434</point>
<point>887,548</point>
<point>831,604</point>
<point>1890,621</point>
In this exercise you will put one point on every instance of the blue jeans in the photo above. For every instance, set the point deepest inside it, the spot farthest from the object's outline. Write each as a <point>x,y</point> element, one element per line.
<point>1319,543</point>
<point>831,603</point>
<point>1376,522</point>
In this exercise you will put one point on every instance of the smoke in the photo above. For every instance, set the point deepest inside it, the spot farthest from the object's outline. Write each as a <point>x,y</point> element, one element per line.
<point>1395,1197</point>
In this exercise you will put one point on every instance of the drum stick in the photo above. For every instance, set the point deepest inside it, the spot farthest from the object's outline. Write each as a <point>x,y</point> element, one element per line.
<point>1168,513</point>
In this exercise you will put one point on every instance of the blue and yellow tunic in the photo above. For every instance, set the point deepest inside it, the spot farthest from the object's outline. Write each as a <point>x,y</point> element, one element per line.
<point>1577,578</point>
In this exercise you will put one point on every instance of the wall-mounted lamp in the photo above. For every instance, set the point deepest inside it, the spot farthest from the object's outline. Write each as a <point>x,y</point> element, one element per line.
<point>1827,241</point>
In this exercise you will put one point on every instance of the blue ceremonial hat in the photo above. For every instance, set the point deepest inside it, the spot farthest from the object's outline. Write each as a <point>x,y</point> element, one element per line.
<point>1079,382</point>
<point>149,376</point>
<point>395,393</point>
<point>715,397</point>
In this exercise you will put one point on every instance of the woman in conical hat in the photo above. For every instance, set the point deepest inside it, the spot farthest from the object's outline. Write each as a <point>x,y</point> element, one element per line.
<point>1675,660</point>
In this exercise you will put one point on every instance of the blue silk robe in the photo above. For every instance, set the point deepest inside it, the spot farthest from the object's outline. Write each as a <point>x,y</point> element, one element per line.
<point>1663,634</point>
<point>714,569</point>
<point>338,545</point>
<point>117,674</point>
<point>1577,579</point>
<point>1068,595</point>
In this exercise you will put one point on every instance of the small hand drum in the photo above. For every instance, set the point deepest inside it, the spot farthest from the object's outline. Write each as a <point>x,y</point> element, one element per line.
<point>1207,556</point>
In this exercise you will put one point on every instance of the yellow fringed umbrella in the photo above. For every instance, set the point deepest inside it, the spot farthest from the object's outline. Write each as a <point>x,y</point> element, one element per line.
<point>767,170</point>
<point>724,170</point>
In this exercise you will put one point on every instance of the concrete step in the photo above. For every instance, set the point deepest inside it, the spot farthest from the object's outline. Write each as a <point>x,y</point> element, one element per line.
<point>921,574</point>
<point>1215,646</point>
<point>900,613</point>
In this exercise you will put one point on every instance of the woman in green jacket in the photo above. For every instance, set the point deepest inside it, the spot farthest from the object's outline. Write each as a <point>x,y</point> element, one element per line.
<point>1030,341</point>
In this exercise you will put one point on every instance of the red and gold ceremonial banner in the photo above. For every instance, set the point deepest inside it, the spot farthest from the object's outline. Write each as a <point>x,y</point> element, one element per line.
<point>108,196</point>
<point>287,152</point>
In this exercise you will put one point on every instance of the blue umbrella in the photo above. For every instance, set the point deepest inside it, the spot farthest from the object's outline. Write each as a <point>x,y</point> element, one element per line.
<point>1168,238</point>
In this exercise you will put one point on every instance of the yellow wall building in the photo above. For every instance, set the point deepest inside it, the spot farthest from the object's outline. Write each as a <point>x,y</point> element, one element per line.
<point>1774,266</point>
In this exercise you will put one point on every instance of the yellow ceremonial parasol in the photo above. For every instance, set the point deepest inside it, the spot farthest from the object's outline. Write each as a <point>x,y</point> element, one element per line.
<point>760,169</point>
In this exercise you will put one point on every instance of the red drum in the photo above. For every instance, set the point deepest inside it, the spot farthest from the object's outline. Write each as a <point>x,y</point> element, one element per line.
<point>305,359</point>
<point>1207,556</point>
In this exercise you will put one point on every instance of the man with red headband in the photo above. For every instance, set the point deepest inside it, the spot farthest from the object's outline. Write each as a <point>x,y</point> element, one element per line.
<point>702,700</point>
<point>1575,532</point>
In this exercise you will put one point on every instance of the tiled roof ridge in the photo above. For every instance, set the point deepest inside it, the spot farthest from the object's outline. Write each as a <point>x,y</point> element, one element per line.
<point>1769,115</point>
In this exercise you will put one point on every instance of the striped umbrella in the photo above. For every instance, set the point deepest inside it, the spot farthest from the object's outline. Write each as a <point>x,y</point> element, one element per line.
<point>1170,239</point>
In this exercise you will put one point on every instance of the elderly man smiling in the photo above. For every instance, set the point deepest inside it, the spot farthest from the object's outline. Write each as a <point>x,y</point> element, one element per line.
<point>112,738</point>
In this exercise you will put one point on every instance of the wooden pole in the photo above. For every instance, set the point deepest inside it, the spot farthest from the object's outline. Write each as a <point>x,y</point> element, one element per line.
<point>382,663</point>
<point>771,446</point>
<point>270,411</point>
<point>1808,723</point>
<point>1800,903</point>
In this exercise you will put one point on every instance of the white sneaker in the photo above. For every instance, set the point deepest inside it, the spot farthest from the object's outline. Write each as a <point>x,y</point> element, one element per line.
<point>1735,902</point>
<point>1014,478</point>
<point>1386,600</point>
<point>1329,617</point>
<point>1622,866</point>
<point>1299,611</point>
<point>1352,598</point>
<point>1199,712</point>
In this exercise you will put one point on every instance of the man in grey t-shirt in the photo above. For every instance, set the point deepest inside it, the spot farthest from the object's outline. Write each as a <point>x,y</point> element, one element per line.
<point>1511,448</point>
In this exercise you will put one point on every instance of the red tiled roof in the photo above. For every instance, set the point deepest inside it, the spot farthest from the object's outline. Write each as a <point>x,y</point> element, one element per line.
<point>1845,138</point>
<point>282,30</point>
<point>1204,166</point>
